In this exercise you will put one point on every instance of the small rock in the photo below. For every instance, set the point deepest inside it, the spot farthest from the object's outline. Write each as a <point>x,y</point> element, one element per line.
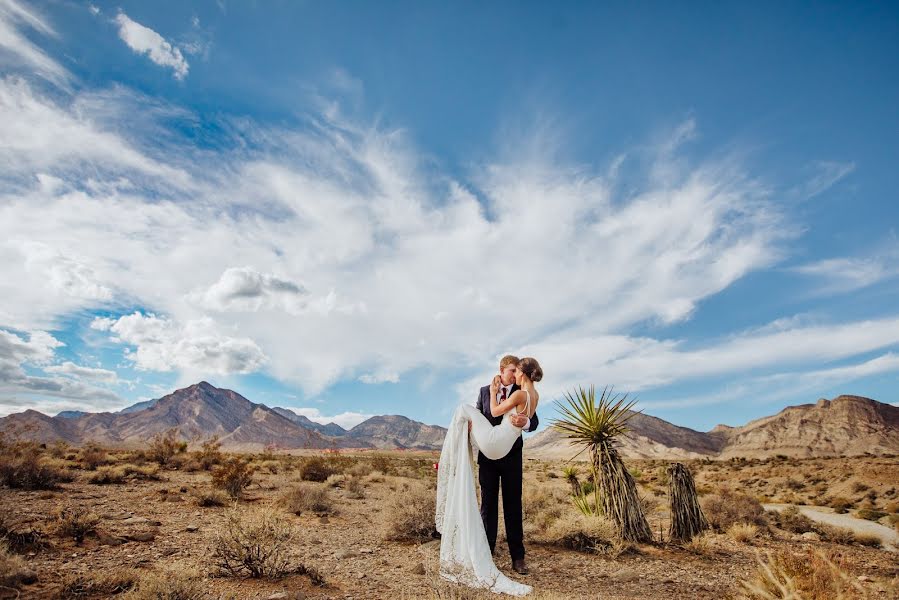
<point>346,553</point>
<point>366,550</point>
<point>419,569</point>
<point>192,528</point>
<point>811,536</point>
<point>277,596</point>
<point>323,519</point>
<point>864,578</point>
<point>361,576</point>
<point>142,536</point>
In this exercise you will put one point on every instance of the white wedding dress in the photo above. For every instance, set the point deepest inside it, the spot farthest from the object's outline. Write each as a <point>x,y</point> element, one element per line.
<point>465,556</point>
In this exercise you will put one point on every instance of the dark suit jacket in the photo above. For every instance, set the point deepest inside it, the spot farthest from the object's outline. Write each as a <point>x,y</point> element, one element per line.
<point>484,407</point>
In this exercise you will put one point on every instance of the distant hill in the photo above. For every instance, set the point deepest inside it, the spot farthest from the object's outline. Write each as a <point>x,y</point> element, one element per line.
<point>395,431</point>
<point>844,426</point>
<point>332,429</point>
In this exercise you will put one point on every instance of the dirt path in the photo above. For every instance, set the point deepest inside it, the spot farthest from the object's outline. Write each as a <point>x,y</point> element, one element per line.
<point>889,537</point>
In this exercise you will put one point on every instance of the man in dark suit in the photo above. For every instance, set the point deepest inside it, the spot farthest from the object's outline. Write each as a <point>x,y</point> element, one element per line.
<point>505,472</point>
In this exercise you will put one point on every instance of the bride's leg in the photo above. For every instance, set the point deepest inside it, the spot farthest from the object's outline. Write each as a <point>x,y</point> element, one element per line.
<point>483,432</point>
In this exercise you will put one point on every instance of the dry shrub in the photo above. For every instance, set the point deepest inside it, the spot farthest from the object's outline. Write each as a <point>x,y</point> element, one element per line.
<point>253,543</point>
<point>868,539</point>
<point>317,469</point>
<point>410,515</point>
<point>107,475</point>
<point>837,535</point>
<point>210,453</point>
<point>14,570</point>
<point>700,544</point>
<point>23,466</point>
<point>810,575</point>
<point>272,466</point>
<point>792,520</point>
<point>728,507</point>
<point>164,447</point>
<point>870,514</point>
<point>359,469</point>
<point>74,522</point>
<point>541,507</point>
<point>586,533</point>
<point>307,497</point>
<point>142,473</point>
<point>743,532</point>
<point>382,463</point>
<point>19,539</point>
<point>354,488</point>
<point>97,584</point>
<point>174,583</point>
<point>93,456</point>
<point>233,476</point>
<point>841,505</point>
<point>207,498</point>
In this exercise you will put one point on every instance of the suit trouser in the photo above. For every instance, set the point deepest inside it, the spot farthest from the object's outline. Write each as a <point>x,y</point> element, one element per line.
<point>505,473</point>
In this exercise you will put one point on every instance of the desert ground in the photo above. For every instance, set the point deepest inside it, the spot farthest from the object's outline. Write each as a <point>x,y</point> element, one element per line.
<point>201,523</point>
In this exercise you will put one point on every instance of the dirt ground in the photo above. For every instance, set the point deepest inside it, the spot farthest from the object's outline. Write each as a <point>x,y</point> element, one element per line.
<point>151,525</point>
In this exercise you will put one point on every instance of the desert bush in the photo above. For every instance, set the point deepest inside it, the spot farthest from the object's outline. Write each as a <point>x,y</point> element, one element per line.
<point>93,456</point>
<point>97,584</point>
<point>541,507</point>
<point>14,570</point>
<point>837,535</point>
<point>891,507</point>
<point>107,475</point>
<point>164,447</point>
<point>307,497</point>
<point>728,507</point>
<point>272,466</point>
<point>382,463</point>
<point>23,466</point>
<point>700,544</point>
<point>585,533</point>
<point>410,516</point>
<point>870,514</point>
<point>354,488</point>
<point>359,469</point>
<point>743,532</point>
<point>207,498</point>
<point>173,583</point>
<point>859,487</point>
<point>316,468</point>
<point>841,505</point>
<point>253,543</point>
<point>19,539</point>
<point>792,520</point>
<point>233,476</point>
<point>811,576</point>
<point>58,449</point>
<point>74,522</point>
<point>142,473</point>
<point>868,539</point>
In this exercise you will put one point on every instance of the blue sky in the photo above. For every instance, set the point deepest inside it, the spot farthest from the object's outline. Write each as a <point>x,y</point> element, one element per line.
<point>356,208</point>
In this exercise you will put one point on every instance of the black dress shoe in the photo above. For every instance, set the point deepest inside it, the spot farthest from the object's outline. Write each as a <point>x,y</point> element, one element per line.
<point>520,567</point>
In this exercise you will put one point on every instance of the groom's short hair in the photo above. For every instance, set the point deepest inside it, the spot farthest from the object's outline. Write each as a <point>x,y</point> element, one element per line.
<point>507,360</point>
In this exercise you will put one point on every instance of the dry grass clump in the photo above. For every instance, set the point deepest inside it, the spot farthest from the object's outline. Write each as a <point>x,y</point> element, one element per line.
<point>410,515</point>
<point>317,469</point>
<point>307,497</point>
<point>142,473</point>
<point>359,469</point>
<point>585,533</point>
<point>233,476</point>
<point>841,505</point>
<point>23,466</point>
<point>870,514</point>
<point>743,532</point>
<point>700,544</point>
<point>355,488</point>
<point>107,475</point>
<point>93,456</point>
<point>728,507</point>
<point>868,539</point>
<point>14,570</point>
<point>174,583</point>
<point>792,520</point>
<point>99,584</point>
<point>208,498</point>
<point>253,543</point>
<point>808,576</point>
<point>209,454</point>
<point>74,522</point>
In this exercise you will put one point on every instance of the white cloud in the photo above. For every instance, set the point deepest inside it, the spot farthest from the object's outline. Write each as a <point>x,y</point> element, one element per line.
<point>847,274</point>
<point>245,289</point>
<point>82,372</point>
<point>197,346</point>
<point>144,40</point>
<point>347,420</point>
<point>18,51</point>
<point>825,175</point>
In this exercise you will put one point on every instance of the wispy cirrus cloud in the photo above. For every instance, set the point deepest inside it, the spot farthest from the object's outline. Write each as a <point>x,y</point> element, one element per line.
<point>16,50</point>
<point>144,40</point>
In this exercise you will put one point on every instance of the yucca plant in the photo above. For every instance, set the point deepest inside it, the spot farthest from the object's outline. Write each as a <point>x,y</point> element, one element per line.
<point>570,475</point>
<point>687,519</point>
<point>596,425</point>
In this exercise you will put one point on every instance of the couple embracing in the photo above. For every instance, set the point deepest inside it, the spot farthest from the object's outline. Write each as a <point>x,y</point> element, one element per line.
<point>491,430</point>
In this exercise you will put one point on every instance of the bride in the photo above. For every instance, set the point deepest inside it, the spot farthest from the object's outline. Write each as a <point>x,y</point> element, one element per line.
<point>465,555</point>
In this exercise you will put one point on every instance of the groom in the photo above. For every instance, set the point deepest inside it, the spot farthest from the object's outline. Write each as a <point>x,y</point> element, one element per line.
<point>505,472</point>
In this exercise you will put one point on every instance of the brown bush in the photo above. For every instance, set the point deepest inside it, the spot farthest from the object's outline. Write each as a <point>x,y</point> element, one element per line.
<point>233,476</point>
<point>164,447</point>
<point>253,543</point>
<point>354,488</point>
<point>74,522</point>
<point>841,505</point>
<point>810,575</point>
<point>585,533</point>
<point>307,497</point>
<point>210,453</point>
<point>107,475</point>
<point>97,584</point>
<point>23,466</point>
<point>14,571</point>
<point>743,532</point>
<point>207,498</point>
<point>410,515</point>
<point>93,456</point>
<point>792,520</point>
<point>172,583</point>
<point>728,507</point>
<point>317,469</point>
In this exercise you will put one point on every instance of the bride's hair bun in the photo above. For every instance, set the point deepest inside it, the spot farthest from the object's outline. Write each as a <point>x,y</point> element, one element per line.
<point>530,367</point>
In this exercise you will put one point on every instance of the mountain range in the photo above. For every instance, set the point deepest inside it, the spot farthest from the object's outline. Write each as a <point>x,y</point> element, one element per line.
<point>846,425</point>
